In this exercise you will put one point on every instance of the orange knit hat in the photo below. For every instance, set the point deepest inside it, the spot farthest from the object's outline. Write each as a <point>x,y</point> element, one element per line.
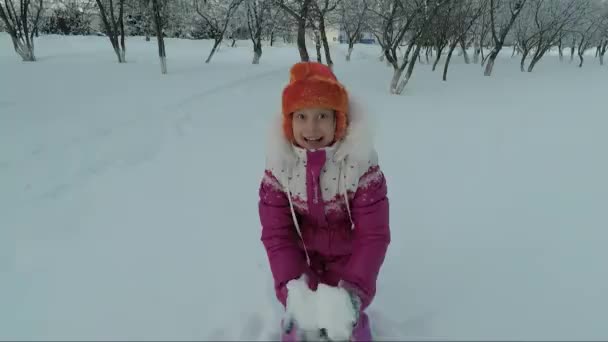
<point>311,85</point>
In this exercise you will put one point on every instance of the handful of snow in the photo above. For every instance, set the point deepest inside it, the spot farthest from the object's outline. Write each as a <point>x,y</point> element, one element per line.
<point>329,308</point>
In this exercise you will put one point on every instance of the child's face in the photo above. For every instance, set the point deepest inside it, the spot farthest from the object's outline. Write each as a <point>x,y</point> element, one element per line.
<point>314,128</point>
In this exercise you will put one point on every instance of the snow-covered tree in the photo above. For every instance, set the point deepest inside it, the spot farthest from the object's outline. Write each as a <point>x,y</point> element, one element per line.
<point>589,30</point>
<point>503,14</point>
<point>216,15</point>
<point>354,18</point>
<point>112,16</point>
<point>481,36</point>
<point>278,24</point>
<point>139,18</point>
<point>465,14</point>
<point>300,11</point>
<point>397,21</point>
<point>157,6</point>
<point>321,10</point>
<point>69,17</point>
<point>542,25</point>
<point>602,46</point>
<point>21,20</point>
<point>259,19</point>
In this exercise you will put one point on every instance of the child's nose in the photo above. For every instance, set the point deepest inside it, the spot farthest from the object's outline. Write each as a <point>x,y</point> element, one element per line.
<point>312,126</point>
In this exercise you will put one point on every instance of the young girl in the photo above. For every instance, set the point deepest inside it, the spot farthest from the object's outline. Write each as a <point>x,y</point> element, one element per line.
<point>323,205</point>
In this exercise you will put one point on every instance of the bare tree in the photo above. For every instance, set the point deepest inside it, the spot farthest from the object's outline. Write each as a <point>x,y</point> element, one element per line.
<point>258,17</point>
<point>317,37</point>
<point>442,30</point>
<point>21,23</point>
<point>589,32</point>
<point>158,24</point>
<point>551,18</point>
<point>353,18</point>
<point>321,8</point>
<point>390,24</point>
<point>68,17</point>
<point>503,14</point>
<point>603,32</point>
<point>278,24</point>
<point>524,33</point>
<point>216,15</point>
<point>114,25</point>
<point>481,30</point>
<point>466,14</point>
<point>299,10</point>
<point>396,20</point>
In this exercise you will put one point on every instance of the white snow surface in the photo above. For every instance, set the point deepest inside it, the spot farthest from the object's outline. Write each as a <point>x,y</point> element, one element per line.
<point>326,307</point>
<point>128,199</point>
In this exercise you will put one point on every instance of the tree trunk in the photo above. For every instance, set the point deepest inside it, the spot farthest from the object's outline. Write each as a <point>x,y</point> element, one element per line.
<point>328,59</point>
<point>490,63</point>
<point>535,60</point>
<point>395,80</point>
<point>318,45</point>
<point>463,46</point>
<point>476,53</point>
<point>257,52</point>
<point>522,65</point>
<point>215,45</point>
<point>302,32</point>
<point>351,46</point>
<point>114,29</point>
<point>447,62</point>
<point>537,57</point>
<point>271,38</point>
<point>121,22</point>
<point>560,48</point>
<point>159,37</point>
<point>410,71</point>
<point>439,52</point>
<point>580,56</point>
<point>119,53</point>
<point>25,51</point>
<point>572,48</point>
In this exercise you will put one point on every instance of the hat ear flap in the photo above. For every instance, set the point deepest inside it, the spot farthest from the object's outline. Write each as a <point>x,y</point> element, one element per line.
<point>341,125</point>
<point>288,127</point>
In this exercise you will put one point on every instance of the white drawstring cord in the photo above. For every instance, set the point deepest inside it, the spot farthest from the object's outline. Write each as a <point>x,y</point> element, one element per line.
<point>295,222</point>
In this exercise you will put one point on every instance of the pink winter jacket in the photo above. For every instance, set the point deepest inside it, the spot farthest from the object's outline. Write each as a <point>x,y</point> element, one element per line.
<point>325,213</point>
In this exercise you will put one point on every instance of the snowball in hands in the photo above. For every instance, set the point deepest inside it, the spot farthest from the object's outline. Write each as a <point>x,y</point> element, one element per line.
<point>328,308</point>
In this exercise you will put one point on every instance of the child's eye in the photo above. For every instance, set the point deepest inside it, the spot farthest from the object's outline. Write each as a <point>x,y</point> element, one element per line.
<point>300,116</point>
<point>323,116</point>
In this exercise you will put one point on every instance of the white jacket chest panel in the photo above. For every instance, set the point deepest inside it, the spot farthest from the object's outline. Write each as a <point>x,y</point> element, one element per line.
<point>335,179</point>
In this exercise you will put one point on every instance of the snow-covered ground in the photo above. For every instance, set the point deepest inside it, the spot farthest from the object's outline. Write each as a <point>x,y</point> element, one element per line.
<point>128,200</point>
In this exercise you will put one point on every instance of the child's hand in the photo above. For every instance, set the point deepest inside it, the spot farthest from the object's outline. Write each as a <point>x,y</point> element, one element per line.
<point>338,312</point>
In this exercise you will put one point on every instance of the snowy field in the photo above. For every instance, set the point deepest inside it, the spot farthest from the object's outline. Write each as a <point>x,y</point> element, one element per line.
<point>128,200</point>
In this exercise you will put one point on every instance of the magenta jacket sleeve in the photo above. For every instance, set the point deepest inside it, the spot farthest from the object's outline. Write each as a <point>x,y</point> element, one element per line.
<point>371,235</point>
<point>287,260</point>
